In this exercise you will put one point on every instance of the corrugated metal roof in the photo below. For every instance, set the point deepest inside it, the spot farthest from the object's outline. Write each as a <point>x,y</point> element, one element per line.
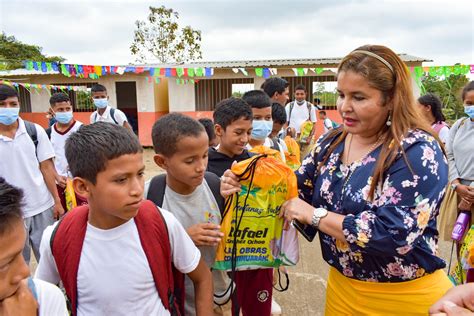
<point>270,63</point>
<point>275,63</point>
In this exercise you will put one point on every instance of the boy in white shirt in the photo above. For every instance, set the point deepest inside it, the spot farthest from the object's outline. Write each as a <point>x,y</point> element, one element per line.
<point>108,254</point>
<point>59,132</point>
<point>300,110</point>
<point>326,121</point>
<point>18,294</point>
<point>26,161</point>
<point>104,112</point>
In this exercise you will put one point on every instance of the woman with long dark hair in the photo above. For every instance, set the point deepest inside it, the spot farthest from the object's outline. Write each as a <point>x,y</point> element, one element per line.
<point>430,106</point>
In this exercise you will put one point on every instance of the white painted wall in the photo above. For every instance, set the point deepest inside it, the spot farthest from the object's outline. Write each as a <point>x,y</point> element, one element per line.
<point>181,97</point>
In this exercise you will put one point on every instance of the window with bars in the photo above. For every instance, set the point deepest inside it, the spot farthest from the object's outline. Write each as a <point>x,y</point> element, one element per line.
<point>81,99</point>
<point>209,92</point>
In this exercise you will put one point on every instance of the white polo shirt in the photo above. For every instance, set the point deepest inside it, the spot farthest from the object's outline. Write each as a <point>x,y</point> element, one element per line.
<point>299,114</point>
<point>106,117</point>
<point>19,166</point>
<point>58,139</point>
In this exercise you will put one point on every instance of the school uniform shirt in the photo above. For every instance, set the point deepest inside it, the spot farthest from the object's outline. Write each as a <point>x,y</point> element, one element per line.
<point>51,300</point>
<point>198,207</point>
<point>218,162</point>
<point>19,166</point>
<point>299,114</point>
<point>327,125</point>
<point>106,117</point>
<point>114,277</point>
<point>58,139</point>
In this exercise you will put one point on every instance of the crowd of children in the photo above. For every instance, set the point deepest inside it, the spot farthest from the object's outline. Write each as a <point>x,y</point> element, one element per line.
<point>132,247</point>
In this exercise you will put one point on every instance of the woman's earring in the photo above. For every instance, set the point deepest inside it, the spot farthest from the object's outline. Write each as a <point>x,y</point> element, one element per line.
<point>389,120</point>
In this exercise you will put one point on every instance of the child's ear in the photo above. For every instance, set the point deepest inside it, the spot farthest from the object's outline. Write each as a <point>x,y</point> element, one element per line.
<point>219,130</point>
<point>160,160</point>
<point>81,187</point>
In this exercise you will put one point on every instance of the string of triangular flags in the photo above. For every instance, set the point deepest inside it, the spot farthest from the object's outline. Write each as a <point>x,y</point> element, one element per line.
<point>95,71</point>
<point>37,86</point>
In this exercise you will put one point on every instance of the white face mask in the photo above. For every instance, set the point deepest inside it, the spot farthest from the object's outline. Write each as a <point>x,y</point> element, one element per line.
<point>101,103</point>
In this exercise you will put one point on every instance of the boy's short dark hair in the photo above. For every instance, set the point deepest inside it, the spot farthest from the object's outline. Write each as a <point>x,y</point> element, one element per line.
<point>300,87</point>
<point>317,101</point>
<point>90,148</point>
<point>273,85</point>
<point>257,99</point>
<point>208,126</point>
<point>98,88</point>
<point>58,98</point>
<point>230,110</point>
<point>7,92</point>
<point>322,112</point>
<point>169,129</point>
<point>10,205</point>
<point>278,113</point>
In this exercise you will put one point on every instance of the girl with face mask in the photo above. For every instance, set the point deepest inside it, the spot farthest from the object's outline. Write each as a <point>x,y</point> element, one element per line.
<point>460,151</point>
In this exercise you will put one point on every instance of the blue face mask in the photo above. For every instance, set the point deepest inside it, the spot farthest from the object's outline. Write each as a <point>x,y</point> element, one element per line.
<point>63,117</point>
<point>261,129</point>
<point>8,116</point>
<point>469,110</point>
<point>101,103</point>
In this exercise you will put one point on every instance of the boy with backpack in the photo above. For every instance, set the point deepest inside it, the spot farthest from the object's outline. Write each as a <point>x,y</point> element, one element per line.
<point>58,133</point>
<point>262,124</point>
<point>191,193</point>
<point>19,294</point>
<point>116,255</point>
<point>327,122</point>
<point>233,126</point>
<point>104,112</point>
<point>26,161</point>
<point>300,111</point>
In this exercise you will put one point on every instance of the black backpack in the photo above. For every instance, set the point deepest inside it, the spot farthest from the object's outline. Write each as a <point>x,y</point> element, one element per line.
<point>31,130</point>
<point>156,191</point>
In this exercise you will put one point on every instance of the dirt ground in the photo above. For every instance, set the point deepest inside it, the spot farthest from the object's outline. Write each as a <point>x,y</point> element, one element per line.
<point>308,279</point>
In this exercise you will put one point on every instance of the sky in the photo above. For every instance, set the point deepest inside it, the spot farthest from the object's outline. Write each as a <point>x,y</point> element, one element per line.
<point>100,32</point>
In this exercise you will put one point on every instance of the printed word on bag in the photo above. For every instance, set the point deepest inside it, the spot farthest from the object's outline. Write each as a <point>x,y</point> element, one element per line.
<point>254,234</point>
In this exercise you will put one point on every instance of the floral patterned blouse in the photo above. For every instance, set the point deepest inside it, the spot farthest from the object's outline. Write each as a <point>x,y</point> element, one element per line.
<point>394,238</point>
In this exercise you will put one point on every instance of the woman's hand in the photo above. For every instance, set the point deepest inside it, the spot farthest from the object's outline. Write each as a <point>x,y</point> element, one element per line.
<point>229,184</point>
<point>297,209</point>
<point>465,192</point>
<point>458,300</point>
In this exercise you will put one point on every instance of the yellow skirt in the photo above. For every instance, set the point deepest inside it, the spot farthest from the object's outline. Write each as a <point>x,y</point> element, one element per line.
<point>345,296</point>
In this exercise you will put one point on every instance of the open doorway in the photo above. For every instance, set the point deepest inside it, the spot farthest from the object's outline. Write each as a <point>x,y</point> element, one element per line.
<point>127,101</point>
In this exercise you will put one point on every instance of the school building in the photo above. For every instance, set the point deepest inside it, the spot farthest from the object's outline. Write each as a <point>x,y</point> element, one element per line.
<point>144,100</point>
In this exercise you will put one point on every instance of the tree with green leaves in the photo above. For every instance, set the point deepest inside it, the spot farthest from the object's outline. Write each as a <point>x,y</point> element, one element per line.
<point>13,52</point>
<point>160,36</point>
<point>448,89</point>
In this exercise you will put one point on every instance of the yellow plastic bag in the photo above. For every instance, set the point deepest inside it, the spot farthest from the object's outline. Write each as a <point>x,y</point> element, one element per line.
<point>264,150</point>
<point>253,233</point>
<point>458,275</point>
<point>293,158</point>
<point>70,195</point>
<point>305,131</point>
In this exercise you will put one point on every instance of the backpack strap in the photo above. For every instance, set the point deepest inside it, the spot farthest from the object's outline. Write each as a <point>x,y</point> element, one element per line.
<point>214,183</point>
<point>292,105</point>
<point>156,190</point>
<point>48,131</point>
<point>95,116</point>
<point>308,105</point>
<point>32,132</point>
<point>155,242</point>
<point>66,244</point>
<point>112,115</point>
<point>275,144</point>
